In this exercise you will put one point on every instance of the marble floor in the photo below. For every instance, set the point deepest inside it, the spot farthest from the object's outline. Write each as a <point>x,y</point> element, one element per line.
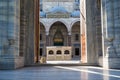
<point>75,60</point>
<point>60,73</point>
<point>64,62</point>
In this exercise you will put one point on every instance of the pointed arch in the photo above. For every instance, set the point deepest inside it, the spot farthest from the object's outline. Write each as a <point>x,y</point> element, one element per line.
<point>58,31</point>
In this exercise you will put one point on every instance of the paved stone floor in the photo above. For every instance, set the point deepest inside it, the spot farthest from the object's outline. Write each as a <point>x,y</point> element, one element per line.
<point>64,62</point>
<point>60,73</point>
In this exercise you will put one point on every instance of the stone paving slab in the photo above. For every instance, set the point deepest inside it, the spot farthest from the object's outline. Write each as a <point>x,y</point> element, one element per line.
<point>60,73</point>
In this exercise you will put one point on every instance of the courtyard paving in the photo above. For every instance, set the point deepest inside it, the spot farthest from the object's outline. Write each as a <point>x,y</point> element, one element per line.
<point>64,62</point>
<point>60,73</point>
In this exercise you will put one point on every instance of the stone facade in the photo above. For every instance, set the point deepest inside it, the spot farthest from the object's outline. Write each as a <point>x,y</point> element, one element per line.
<point>16,37</point>
<point>9,35</point>
<point>67,4</point>
<point>65,16</point>
<point>70,27</point>
<point>59,53</point>
<point>68,22</point>
<point>19,32</point>
<point>110,31</point>
<point>100,41</point>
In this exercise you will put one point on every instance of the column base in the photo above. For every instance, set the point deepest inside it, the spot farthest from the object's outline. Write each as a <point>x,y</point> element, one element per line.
<point>100,61</point>
<point>111,63</point>
<point>10,62</point>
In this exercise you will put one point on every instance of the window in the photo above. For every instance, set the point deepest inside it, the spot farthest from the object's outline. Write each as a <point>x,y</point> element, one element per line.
<point>41,51</point>
<point>51,52</point>
<point>76,37</point>
<point>40,36</point>
<point>66,52</point>
<point>77,51</point>
<point>59,52</point>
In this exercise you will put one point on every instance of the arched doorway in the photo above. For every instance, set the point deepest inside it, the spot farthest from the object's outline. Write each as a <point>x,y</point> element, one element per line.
<point>75,39</point>
<point>58,34</point>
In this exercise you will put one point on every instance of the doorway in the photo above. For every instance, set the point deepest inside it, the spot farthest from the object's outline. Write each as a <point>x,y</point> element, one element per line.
<point>41,51</point>
<point>77,51</point>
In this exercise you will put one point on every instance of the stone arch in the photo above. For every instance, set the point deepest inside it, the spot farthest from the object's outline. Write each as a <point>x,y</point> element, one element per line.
<point>63,31</point>
<point>43,23</point>
<point>73,22</point>
<point>62,21</point>
<point>65,24</point>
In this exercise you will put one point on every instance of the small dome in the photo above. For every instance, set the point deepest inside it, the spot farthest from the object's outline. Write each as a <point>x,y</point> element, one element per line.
<point>76,14</point>
<point>42,14</point>
<point>58,9</point>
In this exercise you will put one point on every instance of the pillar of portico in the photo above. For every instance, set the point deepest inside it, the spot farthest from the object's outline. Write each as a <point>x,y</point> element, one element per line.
<point>10,57</point>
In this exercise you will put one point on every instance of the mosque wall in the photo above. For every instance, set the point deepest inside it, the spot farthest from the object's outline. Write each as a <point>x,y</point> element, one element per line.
<point>68,5</point>
<point>9,35</point>
<point>110,33</point>
<point>19,25</point>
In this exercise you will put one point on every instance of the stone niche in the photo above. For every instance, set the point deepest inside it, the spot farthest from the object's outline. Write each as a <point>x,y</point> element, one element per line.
<point>58,53</point>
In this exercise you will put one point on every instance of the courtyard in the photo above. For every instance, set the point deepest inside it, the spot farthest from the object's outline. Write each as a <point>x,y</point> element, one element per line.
<point>60,73</point>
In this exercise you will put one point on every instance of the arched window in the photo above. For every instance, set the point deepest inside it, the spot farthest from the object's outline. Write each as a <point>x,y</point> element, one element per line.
<point>59,52</point>
<point>76,37</point>
<point>66,52</point>
<point>51,52</point>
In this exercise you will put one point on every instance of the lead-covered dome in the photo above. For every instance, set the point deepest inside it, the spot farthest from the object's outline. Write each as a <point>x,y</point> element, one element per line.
<point>58,9</point>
